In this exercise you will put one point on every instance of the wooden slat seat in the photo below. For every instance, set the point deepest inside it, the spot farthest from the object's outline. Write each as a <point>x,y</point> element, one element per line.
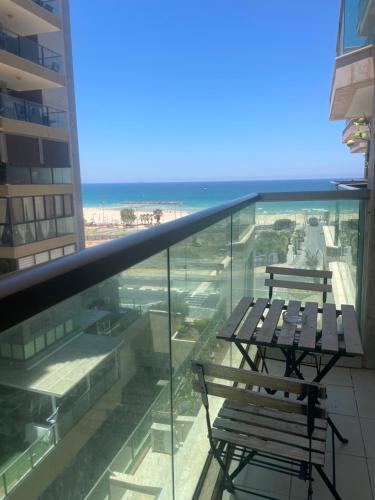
<point>268,446</point>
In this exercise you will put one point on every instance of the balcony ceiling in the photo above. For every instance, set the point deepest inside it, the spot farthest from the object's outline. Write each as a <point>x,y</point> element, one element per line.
<point>25,17</point>
<point>21,74</point>
<point>353,85</point>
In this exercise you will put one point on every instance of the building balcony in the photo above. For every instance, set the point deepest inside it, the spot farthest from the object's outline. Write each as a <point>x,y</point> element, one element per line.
<point>124,320</point>
<point>27,65</point>
<point>30,17</point>
<point>353,85</point>
<point>20,109</point>
<point>356,129</point>
<point>27,118</point>
<point>35,175</point>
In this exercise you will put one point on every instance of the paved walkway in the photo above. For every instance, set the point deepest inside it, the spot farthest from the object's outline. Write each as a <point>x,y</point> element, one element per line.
<point>351,404</point>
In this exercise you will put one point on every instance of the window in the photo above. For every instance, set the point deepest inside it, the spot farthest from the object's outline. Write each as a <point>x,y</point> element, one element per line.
<point>6,351</point>
<point>4,215</point>
<point>59,205</point>
<point>65,226</point>
<point>23,233</point>
<point>39,207</point>
<point>69,326</point>
<point>29,350</point>
<point>46,229</point>
<point>28,205</point>
<point>56,154</point>
<point>16,210</point>
<point>23,151</point>
<point>51,337</point>
<point>18,351</point>
<point>68,205</point>
<point>40,343</point>
<point>59,332</point>
<point>50,207</point>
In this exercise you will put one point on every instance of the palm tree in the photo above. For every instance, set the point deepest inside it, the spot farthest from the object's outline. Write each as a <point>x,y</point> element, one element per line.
<point>157,215</point>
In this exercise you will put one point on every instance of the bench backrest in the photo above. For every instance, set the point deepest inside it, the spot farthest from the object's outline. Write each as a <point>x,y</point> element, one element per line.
<point>249,395</point>
<point>324,287</point>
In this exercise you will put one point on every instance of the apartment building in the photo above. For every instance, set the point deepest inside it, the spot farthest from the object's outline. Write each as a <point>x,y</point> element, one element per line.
<point>353,80</point>
<point>40,198</point>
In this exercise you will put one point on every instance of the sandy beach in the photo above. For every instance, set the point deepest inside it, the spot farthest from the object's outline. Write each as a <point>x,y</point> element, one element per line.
<point>105,215</point>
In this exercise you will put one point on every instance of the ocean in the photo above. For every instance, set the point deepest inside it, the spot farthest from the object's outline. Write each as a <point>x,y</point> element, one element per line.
<point>190,196</point>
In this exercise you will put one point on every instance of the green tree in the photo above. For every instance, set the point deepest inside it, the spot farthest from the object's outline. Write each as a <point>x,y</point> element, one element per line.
<point>157,215</point>
<point>311,259</point>
<point>128,216</point>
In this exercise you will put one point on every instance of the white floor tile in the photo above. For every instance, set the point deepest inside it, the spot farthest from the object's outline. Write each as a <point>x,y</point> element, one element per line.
<point>368,433</point>
<point>350,428</point>
<point>352,480</point>
<point>341,400</point>
<point>365,400</point>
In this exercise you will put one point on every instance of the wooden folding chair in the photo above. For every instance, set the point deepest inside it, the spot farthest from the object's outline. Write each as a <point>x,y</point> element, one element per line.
<point>253,427</point>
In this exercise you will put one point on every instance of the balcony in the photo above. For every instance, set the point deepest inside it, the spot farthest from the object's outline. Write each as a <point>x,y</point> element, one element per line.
<point>123,321</point>
<point>27,17</point>
<point>32,112</point>
<point>27,65</point>
<point>35,175</point>
<point>353,79</point>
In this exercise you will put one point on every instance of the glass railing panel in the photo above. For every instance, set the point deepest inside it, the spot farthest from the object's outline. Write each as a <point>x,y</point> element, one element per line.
<point>28,49</point>
<point>310,235</point>
<point>101,360</point>
<point>20,109</point>
<point>23,233</point>
<point>200,272</point>
<point>62,175</point>
<point>46,229</point>
<point>42,175</point>
<point>65,225</point>
<point>243,253</point>
<point>35,175</point>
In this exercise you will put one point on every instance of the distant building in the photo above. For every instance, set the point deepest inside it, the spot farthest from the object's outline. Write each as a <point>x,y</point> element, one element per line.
<point>40,200</point>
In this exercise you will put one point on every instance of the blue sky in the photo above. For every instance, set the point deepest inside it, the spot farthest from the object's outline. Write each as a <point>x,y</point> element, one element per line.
<point>207,90</point>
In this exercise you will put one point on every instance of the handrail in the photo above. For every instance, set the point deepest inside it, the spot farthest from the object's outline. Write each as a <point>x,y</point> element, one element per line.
<point>29,292</point>
<point>359,194</point>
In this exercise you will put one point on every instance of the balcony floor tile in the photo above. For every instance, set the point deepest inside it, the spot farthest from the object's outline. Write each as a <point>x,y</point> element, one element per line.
<point>341,400</point>
<point>352,480</point>
<point>350,428</point>
<point>368,432</point>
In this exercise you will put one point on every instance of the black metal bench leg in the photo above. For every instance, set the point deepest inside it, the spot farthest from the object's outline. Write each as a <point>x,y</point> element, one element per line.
<point>328,483</point>
<point>336,431</point>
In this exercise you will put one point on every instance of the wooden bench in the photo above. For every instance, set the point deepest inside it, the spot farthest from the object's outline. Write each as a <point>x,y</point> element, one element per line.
<point>253,426</point>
